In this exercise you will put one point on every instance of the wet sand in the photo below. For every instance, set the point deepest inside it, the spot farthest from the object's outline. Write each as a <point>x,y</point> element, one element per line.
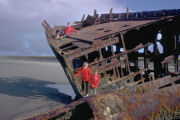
<point>29,87</point>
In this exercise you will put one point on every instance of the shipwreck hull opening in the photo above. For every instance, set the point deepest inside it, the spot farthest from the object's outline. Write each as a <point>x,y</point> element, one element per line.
<point>80,112</point>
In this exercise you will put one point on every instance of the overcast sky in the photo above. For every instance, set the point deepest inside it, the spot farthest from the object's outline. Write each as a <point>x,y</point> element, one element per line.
<point>21,32</point>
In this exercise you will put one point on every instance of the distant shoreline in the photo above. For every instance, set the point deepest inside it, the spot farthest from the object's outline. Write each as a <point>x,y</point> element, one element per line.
<point>31,58</point>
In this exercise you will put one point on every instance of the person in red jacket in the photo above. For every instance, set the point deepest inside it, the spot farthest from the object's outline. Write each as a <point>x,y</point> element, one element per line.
<point>67,31</point>
<point>85,73</point>
<point>94,82</point>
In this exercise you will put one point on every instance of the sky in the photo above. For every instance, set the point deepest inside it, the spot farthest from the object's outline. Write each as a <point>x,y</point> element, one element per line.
<point>21,31</point>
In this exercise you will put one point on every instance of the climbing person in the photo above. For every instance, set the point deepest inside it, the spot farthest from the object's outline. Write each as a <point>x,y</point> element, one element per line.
<point>60,34</point>
<point>94,82</point>
<point>85,73</point>
<point>67,31</point>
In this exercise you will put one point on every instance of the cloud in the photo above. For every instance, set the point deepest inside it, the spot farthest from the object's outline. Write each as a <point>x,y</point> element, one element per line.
<point>21,30</point>
<point>20,20</point>
<point>3,2</point>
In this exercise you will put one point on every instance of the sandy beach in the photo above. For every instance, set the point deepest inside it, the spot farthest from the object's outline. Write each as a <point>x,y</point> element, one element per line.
<point>29,87</point>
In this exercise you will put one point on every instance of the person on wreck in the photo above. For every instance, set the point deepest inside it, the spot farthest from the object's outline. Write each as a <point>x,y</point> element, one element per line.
<point>94,82</point>
<point>67,31</point>
<point>85,73</point>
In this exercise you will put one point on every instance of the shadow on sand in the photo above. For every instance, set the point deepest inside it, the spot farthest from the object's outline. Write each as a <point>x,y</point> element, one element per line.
<point>32,88</point>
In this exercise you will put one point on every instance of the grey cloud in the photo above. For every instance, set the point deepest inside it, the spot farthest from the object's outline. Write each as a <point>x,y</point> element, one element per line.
<point>21,31</point>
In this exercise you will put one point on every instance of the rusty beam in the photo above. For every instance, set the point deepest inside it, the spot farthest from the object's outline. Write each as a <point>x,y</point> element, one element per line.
<point>130,76</point>
<point>111,15</point>
<point>175,41</point>
<point>176,56</point>
<point>121,54</point>
<point>125,55</point>
<point>167,59</point>
<point>176,64</point>
<point>119,16</point>
<point>140,15</point>
<point>127,13</point>
<point>146,60</point>
<point>83,17</point>
<point>96,45</point>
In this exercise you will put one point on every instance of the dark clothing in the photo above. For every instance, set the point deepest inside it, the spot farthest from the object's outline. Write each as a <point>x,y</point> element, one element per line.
<point>87,86</point>
<point>62,34</point>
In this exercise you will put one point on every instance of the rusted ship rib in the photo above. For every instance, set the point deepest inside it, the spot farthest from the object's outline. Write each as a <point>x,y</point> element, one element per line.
<point>111,43</point>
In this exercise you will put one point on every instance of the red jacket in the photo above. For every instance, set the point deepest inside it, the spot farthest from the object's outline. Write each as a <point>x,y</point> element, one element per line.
<point>85,74</point>
<point>94,81</point>
<point>68,30</point>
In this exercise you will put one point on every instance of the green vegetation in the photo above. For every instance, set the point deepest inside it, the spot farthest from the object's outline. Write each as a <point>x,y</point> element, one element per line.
<point>125,92</point>
<point>142,89</point>
<point>166,114</point>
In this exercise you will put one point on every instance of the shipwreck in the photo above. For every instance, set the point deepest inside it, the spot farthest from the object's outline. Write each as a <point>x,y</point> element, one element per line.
<point>111,43</point>
<point>137,78</point>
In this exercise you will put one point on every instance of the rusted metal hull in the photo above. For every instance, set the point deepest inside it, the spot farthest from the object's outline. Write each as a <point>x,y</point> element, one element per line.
<point>100,45</point>
<point>133,84</point>
<point>136,103</point>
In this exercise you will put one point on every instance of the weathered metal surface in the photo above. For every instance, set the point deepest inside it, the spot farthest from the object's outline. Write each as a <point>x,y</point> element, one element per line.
<point>136,103</point>
<point>111,43</point>
<point>138,15</point>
